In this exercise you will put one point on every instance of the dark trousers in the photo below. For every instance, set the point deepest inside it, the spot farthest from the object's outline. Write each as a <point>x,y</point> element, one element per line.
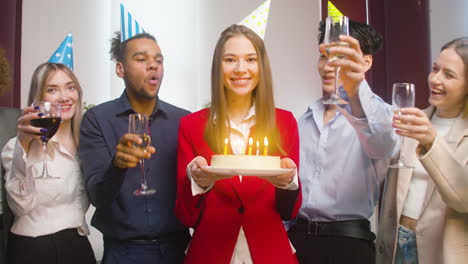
<point>63,247</point>
<point>330,249</point>
<point>167,250</point>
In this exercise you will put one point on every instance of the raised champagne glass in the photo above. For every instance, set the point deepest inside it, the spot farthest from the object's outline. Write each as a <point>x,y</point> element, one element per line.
<point>403,96</point>
<point>50,120</point>
<point>138,124</point>
<point>334,27</point>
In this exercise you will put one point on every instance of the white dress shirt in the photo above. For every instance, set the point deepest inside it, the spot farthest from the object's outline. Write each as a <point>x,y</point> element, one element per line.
<point>344,162</point>
<point>44,206</point>
<point>239,137</point>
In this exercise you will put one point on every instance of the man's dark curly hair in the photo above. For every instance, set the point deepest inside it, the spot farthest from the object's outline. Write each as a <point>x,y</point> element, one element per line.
<point>117,50</point>
<point>5,77</point>
<point>369,39</point>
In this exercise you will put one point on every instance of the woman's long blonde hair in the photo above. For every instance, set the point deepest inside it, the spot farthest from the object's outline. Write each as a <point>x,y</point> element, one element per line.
<point>217,131</point>
<point>39,80</point>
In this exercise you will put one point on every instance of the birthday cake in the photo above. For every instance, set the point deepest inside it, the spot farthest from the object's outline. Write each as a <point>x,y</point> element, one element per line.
<point>245,162</point>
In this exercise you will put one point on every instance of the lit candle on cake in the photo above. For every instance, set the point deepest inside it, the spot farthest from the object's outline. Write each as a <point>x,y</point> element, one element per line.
<point>226,141</point>
<point>250,145</point>
<point>258,147</point>
<point>265,144</point>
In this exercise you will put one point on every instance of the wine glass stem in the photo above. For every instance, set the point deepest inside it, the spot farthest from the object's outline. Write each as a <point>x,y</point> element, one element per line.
<point>44,164</point>
<point>401,159</point>
<point>337,82</point>
<point>143,178</point>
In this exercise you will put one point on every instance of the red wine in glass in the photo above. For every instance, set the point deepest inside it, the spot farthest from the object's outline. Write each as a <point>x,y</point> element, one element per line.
<point>50,123</point>
<point>50,120</point>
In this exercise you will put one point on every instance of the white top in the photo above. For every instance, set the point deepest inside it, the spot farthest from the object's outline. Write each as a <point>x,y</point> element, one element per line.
<point>418,186</point>
<point>44,206</point>
<point>239,137</point>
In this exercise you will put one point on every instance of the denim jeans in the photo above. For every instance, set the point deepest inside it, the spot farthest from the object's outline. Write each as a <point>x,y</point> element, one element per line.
<point>407,251</point>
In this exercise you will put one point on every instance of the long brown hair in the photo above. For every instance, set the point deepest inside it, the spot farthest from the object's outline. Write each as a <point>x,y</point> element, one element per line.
<point>460,45</point>
<point>265,124</point>
<point>39,80</point>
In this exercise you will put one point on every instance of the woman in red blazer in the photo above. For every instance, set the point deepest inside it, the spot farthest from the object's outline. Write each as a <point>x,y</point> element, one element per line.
<point>238,219</point>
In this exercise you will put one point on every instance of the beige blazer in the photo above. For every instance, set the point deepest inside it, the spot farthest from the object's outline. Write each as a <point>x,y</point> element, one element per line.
<point>442,229</point>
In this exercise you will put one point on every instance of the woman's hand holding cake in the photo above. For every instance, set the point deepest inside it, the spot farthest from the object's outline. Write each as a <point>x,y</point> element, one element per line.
<point>283,179</point>
<point>201,176</point>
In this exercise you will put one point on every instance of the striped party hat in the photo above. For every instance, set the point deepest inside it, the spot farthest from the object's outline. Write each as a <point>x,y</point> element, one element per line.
<point>257,20</point>
<point>64,53</point>
<point>129,27</point>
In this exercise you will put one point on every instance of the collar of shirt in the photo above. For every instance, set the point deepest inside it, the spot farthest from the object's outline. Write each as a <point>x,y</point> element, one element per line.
<point>238,135</point>
<point>160,108</point>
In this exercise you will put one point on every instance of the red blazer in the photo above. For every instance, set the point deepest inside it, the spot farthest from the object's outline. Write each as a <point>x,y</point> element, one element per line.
<point>254,203</point>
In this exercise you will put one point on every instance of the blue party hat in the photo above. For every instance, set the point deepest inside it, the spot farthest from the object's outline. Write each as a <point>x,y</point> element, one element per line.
<point>129,27</point>
<point>64,53</point>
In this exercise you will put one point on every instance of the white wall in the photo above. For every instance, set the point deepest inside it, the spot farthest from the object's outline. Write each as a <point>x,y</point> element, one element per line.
<point>449,20</point>
<point>90,24</point>
<point>187,32</point>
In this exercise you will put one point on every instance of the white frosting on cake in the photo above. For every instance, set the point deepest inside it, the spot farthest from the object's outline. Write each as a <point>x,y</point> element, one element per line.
<point>245,162</point>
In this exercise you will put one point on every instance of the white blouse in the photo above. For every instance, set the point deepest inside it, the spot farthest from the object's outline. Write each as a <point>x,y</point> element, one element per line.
<point>44,206</point>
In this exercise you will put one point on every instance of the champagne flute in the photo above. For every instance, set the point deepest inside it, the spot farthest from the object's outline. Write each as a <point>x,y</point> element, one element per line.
<point>50,120</point>
<point>403,96</point>
<point>334,27</point>
<point>138,124</point>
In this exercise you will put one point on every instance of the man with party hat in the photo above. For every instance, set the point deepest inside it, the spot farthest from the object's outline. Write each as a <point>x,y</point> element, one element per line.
<point>136,218</point>
<point>64,53</point>
<point>344,155</point>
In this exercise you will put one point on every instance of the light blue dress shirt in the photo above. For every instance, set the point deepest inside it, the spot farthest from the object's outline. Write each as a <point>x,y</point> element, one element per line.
<point>344,162</point>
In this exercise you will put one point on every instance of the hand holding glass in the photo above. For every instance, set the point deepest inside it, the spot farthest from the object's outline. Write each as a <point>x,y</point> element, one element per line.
<point>334,27</point>
<point>403,96</point>
<point>50,121</point>
<point>138,124</point>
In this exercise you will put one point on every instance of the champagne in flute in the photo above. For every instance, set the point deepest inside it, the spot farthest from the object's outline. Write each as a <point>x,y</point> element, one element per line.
<point>138,124</point>
<point>334,27</point>
<point>403,96</point>
<point>338,44</point>
<point>146,141</point>
<point>50,120</point>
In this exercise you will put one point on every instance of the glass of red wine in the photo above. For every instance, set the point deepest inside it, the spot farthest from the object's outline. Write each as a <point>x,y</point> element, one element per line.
<point>49,120</point>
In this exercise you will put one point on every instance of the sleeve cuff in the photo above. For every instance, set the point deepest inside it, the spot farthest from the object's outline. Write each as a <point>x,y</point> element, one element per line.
<point>293,185</point>
<point>422,152</point>
<point>196,189</point>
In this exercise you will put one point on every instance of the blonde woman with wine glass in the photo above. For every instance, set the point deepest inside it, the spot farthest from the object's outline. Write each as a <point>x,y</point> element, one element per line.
<point>424,218</point>
<point>49,224</point>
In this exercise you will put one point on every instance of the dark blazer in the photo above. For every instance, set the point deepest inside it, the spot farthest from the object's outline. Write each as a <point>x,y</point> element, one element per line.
<point>8,117</point>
